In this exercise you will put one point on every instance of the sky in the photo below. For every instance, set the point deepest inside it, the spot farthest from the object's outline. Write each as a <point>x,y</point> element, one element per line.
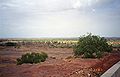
<point>59,18</point>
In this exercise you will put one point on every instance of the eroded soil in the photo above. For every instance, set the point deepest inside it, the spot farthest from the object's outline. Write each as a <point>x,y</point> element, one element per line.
<point>59,64</point>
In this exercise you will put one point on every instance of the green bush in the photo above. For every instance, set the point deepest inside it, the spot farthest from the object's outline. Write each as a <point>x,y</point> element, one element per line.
<point>44,56</point>
<point>91,46</point>
<point>32,58</point>
<point>10,44</point>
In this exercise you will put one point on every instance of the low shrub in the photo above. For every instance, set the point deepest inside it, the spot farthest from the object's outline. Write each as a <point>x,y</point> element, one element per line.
<point>44,56</point>
<point>10,44</point>
<point>32,58</point>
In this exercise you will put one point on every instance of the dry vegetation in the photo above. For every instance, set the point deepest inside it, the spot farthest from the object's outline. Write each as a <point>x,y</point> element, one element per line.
<point>60,61</point>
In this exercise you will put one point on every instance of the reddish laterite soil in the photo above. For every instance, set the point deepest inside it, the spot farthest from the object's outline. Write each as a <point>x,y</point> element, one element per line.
<point>59,63</point>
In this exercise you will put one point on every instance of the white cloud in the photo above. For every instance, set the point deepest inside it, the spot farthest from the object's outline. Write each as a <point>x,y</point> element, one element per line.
<point>36,5</point>
<point>83,3</point>
<point>56,17</point>
<point>43,6</point>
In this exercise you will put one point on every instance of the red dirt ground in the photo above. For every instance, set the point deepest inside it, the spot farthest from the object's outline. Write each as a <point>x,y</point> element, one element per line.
<point>58,67</point>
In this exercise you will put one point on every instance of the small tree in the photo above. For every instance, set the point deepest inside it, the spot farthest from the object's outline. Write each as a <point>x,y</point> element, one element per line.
<point>91,46</point>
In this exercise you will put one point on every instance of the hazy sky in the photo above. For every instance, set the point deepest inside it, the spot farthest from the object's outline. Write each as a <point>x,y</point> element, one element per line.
<point>59,18</point>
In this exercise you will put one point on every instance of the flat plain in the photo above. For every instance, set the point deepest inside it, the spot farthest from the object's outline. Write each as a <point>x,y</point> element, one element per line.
<point>60,61</point>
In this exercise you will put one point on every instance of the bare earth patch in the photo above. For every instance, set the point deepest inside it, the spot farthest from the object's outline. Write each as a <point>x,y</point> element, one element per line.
<point>55,66</point>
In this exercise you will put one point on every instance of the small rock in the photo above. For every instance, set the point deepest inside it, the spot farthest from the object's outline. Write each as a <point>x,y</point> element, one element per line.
<point>53,57</point>
<point>89,75</point>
